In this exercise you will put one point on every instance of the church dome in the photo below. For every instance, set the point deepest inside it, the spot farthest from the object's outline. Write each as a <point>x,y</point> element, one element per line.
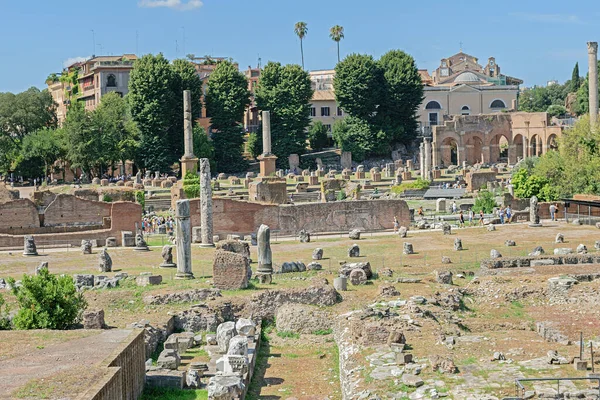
<point>467,77</point>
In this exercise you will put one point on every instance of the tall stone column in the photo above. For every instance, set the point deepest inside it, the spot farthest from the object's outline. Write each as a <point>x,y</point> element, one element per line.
<point>593,81</point>
<point>184,240</point>
<point>267,160</point>
<point>206,205</point>
<point>266,137</point>
<point>188,161</point>
<point>427,158</point>
<point>525,144</point>
<point>422,160</point>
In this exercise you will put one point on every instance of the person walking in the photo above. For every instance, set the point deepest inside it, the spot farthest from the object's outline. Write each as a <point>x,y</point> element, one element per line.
<point>396,224</point>
<point>501,215</point>
<point>471,216</point>
<point>481,217</point>
<point>461,220</point>
<point>552,212</point>
<point>453,207</point>
<point>508,214</point>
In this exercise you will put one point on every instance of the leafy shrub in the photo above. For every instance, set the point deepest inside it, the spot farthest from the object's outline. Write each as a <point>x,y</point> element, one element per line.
<point>191,191</point>
<point>254,145</point>
<point>341,195</point>
<point>140,198</point>
<point>47,301</point>
<point>323,332</point>
<point>317,136</point>
<point>485,201</point>
<point>106,198</point>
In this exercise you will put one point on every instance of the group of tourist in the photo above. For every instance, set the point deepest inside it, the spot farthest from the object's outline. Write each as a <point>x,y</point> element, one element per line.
<point>150,224</point>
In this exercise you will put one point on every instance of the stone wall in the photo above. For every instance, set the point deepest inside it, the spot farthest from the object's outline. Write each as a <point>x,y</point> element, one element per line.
<point>478,180</point>
<point>235,216</point>
<point>18,214</point>
<point>67,210</point>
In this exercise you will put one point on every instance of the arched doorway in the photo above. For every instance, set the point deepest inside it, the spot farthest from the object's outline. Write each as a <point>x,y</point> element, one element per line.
<point>518,143</point>
<point>499,149</point>
<point>449,152</point>
<point>474,150</point>
<point>552,142</point>
<point>535,146</point>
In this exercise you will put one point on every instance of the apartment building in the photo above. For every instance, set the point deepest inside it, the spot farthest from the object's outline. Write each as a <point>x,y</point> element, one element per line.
<point>324,108</point>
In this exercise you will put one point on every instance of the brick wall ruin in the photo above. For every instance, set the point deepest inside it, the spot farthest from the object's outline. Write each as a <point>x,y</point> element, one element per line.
<point>67,219</point>
<point>236,216</point>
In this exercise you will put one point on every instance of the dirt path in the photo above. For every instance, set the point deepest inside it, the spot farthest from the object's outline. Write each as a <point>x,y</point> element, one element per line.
<point>48,361</point>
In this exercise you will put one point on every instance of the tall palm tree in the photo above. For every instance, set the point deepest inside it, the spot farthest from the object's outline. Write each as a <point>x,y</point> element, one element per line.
<point>301,30</point>
<point>336,33</point>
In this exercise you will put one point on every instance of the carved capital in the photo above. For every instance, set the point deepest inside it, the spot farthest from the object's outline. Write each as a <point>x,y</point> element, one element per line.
<point>592,47</point>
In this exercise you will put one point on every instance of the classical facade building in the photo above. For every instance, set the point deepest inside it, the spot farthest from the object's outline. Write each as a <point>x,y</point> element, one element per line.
<point>492,138</point>
<point>324,107</point>
<point>461,86</point>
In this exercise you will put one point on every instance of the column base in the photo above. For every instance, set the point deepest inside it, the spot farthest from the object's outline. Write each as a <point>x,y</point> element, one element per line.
<point>184,276</point>
<point>188,165</point>
<point>164,265</point>
<point>267,165</point>
<point>206,245</point>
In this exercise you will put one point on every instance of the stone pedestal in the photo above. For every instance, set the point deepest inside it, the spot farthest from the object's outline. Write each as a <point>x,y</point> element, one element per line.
<point>188,165</point>
<point>406,176</point>
<point>359,175</point>
<point>376,176</point>
<point>267,165</point>
<point>313,180</point>
<point>409,164</point>
<point>184,240</point>
<point>340,283</point>
<point>436,174</point>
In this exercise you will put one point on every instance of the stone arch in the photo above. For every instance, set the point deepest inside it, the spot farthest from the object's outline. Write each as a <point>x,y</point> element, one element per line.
<point>552,143</point>
<point>535,146</point>
<point>499,147</point>
<point>449,150</point>
<point>474,149</point>
<point>518,144</point>
<point>465,110</point>
<point>111,81</point>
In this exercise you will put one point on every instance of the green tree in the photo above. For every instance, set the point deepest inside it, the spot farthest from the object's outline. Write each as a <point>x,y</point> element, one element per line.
<point>83,144</point>
<point>336,33</point>
<point>358,85</point>
<point>226,100</point>
<point>47,301</point>
<point>254,144</point>
<point>485,201</point>
<point>556,110</point>
<point>357,136</point>
<point>20,115</point>
<point>397,114</point>
<point>317,135</point>
<point>39,151</point>
<point>118,133</point>
<point>154,100</point>
<point>286,92</point>
<point>203,147</point>
<point>301,29</point>
<point>575,79</point>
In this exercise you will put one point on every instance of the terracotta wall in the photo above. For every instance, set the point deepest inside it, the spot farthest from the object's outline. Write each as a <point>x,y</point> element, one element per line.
<point>235,216</point>
<point>18,214</point>
<point>67,210</point>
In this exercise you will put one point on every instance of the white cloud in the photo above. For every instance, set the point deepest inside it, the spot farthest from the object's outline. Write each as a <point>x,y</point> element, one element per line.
<point>73,60</point>
<point>180,5</point>
<point>548,18</point>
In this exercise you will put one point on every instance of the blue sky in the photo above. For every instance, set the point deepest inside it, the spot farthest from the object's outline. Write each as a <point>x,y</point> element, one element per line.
<point>533,40</point>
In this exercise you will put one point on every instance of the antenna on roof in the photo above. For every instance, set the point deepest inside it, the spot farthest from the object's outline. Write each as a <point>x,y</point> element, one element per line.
<point>460,46</point>
<point>259,61</point>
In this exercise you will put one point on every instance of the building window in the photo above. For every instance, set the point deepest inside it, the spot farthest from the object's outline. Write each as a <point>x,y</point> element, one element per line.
<point>497,104</point>
<point>324,111</point>
<point>433,105</point>
<point>339,112</point>
<point>111,81</point>
<point>433,119</point>
<point>313,112</point>
<point>465,110</point>
<point>328,126</point>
